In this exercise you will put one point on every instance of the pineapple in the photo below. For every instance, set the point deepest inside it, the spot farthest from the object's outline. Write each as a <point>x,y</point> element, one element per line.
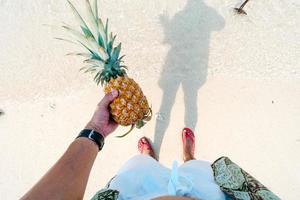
<point>103,59</point>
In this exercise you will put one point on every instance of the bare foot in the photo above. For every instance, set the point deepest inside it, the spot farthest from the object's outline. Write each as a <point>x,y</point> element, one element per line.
<point>188,141</point>
<point>145,147</point>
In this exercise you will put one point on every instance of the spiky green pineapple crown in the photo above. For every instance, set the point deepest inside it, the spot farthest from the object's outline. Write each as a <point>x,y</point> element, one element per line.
<point>102,58</point>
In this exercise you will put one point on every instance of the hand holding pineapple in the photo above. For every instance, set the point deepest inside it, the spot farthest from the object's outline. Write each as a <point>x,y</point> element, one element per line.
<point>101,121</point>
<point>103,59</point>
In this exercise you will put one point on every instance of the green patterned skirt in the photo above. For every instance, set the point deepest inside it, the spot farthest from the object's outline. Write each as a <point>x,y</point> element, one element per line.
<point>237,183</point>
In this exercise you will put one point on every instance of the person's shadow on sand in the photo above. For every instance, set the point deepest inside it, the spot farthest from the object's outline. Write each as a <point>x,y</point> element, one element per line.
<point>188,34</point>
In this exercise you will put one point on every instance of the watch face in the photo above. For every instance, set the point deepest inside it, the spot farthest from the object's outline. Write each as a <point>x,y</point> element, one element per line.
<point>98,138</point>
<point>92,135</point>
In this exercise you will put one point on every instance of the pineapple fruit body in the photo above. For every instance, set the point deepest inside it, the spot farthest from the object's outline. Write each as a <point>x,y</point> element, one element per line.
<point>131,105</point>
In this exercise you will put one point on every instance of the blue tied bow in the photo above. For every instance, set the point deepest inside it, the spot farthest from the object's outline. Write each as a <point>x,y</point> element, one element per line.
<point>178,185</point>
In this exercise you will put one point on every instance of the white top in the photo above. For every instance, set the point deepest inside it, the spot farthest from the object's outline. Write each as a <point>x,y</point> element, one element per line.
<point>143,178</point>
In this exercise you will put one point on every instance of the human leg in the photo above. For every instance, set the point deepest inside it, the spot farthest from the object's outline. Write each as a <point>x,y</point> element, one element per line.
<point>198,172</point>
<point>146,158</point>
<point>141,175</point>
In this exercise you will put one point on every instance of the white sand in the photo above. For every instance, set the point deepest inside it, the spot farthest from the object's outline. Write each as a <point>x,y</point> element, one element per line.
<point>245,70</point>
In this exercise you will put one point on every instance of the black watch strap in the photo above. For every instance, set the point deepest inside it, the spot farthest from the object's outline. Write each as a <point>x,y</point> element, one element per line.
<point>94,136</point>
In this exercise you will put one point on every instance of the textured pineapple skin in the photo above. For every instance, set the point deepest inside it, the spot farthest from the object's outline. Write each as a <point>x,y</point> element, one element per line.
<point>131,105</point>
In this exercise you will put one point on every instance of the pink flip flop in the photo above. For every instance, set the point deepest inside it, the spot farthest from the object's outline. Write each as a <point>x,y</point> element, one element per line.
<point>188,134</point>
<point>144,144</point>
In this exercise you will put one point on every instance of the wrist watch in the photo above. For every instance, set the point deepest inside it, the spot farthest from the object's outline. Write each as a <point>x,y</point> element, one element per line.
<point>94,136</point>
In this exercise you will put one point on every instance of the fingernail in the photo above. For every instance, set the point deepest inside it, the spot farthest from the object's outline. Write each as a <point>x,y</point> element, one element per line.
<point>114,93</point>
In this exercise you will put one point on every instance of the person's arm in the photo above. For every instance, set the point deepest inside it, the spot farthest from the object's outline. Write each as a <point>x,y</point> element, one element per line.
<point>67,179</point>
